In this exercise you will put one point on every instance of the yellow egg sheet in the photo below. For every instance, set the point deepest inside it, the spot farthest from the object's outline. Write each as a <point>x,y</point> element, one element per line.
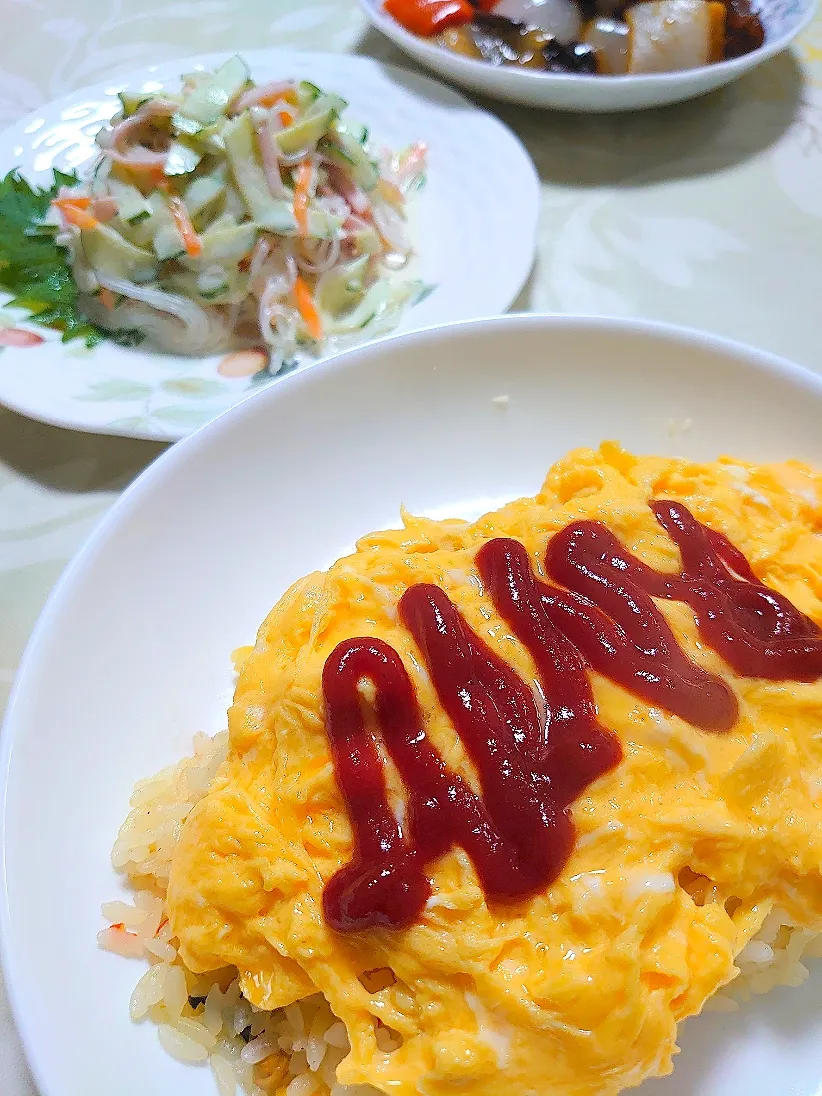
<point>682,850</point>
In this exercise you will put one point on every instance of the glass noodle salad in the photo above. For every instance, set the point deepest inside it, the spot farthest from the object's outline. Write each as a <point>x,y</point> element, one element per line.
<point>233,215</point>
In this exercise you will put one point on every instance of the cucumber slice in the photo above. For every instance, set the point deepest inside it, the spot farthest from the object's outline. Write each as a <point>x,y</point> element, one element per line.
<point>367,241</point>
<point>168,243</point>
<point>132,206</point>
<point>210,139</point>
<point>181,159</point>
<point>332,151</point>
<point>211,287</point>
<point>203,193</point>
<point>228,245</point>
<point>212,284</point>
<point>240,141</point>
<point>221,292</point>
<point>210,99</point>
<point>342,148</point>
<point>183,125</point>
<point>340,290</point>
<point>234,203</point>
<point>419,291</point>
<point>358,132</point>
<point>312,126</point>
<point>100,177</point>
<point>322,226</point>
<point>226,220</point>
<point>370,307</point>
<point>131,101</point>
<point>143,232</point>
<point>108,251</point>
<point>207,139</point>
<point>307,93</point>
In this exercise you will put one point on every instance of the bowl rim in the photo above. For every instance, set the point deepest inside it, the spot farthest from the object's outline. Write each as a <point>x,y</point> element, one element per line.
<point>495,76</point>
<point>187,449</point>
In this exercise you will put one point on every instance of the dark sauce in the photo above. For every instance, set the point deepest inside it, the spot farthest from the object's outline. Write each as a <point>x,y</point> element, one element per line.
<point>744,31</point>
<point>533,761</point>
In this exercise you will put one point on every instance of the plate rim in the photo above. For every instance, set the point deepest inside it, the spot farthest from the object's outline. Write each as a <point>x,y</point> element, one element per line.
<point>13,728</point>
<point>281,55</point>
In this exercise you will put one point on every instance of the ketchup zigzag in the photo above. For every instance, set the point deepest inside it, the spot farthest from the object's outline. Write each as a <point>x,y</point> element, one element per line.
<point>597,613</point>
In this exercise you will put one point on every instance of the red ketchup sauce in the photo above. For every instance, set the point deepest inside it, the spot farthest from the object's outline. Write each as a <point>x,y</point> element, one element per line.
<point>533,760</point>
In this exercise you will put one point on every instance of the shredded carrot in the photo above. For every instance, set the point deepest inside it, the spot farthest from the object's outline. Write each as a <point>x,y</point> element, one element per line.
<point>307,308</point>
<point>120,927</point>
<point>107,299</point>
<point>80,218</point>
<point>191,241</point>
<point>74,211</point>
<point>287,96</point>
<point>145,174</point>
<point>304,173</point>
<point>286,118</point>
<point>391,193</point>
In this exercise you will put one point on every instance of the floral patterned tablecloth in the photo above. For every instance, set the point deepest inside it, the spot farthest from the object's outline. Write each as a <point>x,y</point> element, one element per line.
<point>707,214</point>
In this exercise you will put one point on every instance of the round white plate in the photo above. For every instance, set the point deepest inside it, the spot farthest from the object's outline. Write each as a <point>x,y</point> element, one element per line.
<point>131,655</point>
<point>783,20</point>
<point>475,229</point>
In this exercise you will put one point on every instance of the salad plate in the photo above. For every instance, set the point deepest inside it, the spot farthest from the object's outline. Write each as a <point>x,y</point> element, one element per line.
<point>472,228</point>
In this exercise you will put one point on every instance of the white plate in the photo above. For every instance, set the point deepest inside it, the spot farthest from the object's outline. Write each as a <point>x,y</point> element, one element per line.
<point>783,20</point>
<point>131,656</point>
<point>475,230</point>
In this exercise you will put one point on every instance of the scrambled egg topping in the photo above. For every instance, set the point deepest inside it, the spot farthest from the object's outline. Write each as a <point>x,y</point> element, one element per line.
<point>681,851</point>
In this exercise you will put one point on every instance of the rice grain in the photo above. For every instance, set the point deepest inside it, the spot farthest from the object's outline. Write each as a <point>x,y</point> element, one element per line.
<point>303,1085</point>
<point>213,1010</point>
<point>257,1050</point>
<point>337,1035</point>
<point>147,993</point>
<point>180,1046</point>
<point>225,1076</point>
<point>175,991</point>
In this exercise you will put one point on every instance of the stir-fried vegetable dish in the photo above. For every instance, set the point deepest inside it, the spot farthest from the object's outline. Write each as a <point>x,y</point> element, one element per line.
<point>609,37</point>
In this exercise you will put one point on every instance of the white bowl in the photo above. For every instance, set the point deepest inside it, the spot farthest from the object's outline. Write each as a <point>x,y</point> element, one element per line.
<point>131,655</point>
<point>782,19</point>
